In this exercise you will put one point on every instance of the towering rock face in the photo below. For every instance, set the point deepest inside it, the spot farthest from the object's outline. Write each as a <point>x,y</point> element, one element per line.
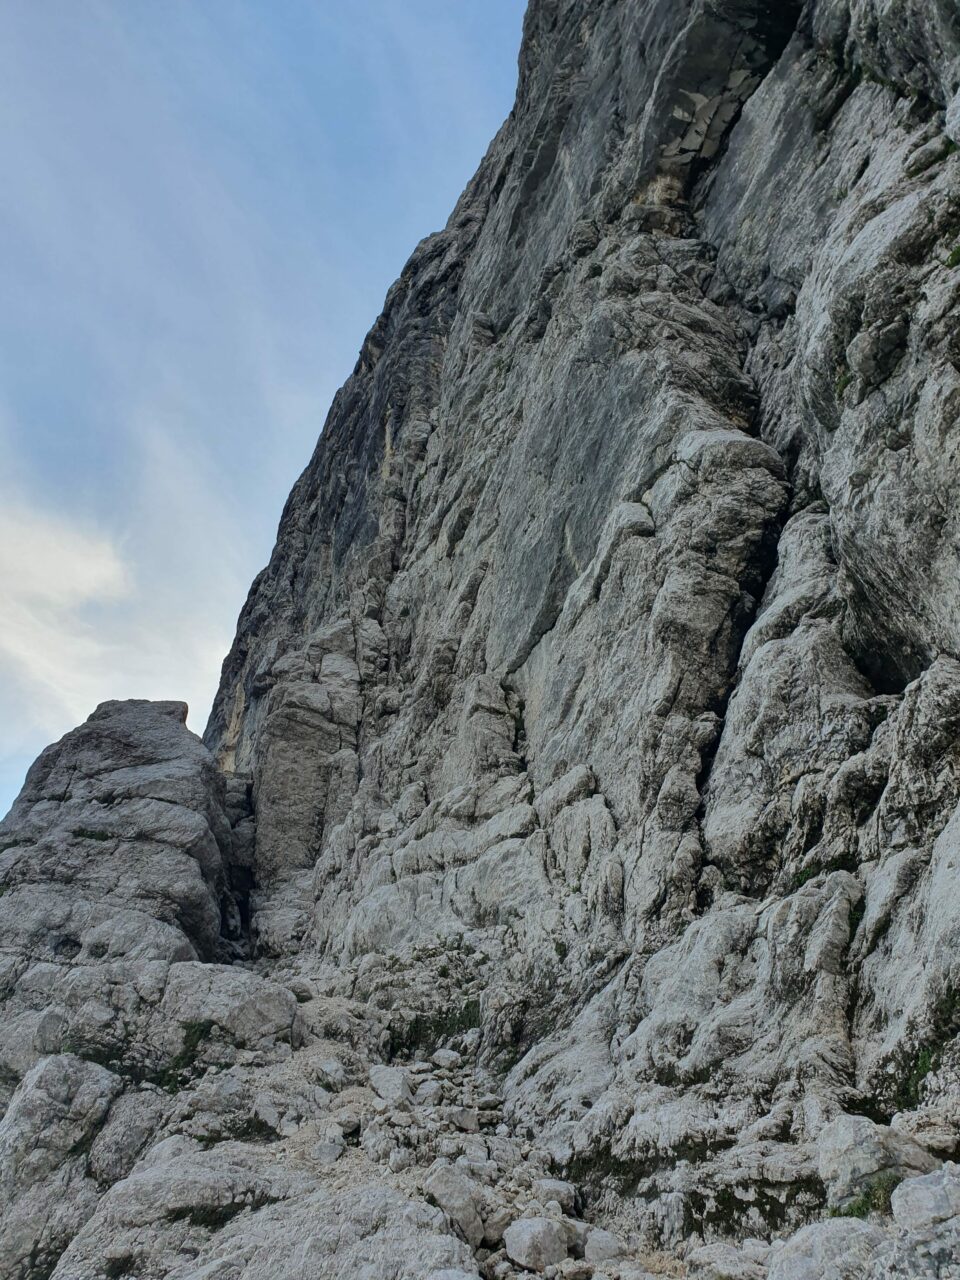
<point>571,877</point>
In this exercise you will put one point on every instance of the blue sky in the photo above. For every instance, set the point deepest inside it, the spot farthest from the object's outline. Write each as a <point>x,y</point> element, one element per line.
<point>202,206</point>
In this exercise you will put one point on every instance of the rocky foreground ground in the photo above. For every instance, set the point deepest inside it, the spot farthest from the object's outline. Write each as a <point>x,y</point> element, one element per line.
<point>567,882</point>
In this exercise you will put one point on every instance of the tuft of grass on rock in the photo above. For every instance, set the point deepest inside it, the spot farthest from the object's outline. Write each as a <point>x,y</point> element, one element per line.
<point>908,1096</point>
<point>876,1198</point>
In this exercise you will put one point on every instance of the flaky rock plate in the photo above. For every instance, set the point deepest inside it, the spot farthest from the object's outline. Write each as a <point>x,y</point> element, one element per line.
<point>569,880</point>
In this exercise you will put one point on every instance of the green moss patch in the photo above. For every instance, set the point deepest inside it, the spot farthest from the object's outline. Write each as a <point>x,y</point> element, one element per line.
<point>875,1199</point>
<point>427,1031</point>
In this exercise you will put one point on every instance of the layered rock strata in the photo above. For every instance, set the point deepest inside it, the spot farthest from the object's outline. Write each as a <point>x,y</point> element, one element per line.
<point>568,883</point>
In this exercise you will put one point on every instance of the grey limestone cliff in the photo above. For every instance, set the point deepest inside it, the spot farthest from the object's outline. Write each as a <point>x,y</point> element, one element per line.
<point>569,882</point>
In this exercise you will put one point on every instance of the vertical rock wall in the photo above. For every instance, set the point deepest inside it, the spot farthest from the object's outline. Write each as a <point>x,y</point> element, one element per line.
<point>597,715</point>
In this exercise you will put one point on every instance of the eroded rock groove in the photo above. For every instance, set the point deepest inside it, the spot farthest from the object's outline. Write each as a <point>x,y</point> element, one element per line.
<point>567,881</point>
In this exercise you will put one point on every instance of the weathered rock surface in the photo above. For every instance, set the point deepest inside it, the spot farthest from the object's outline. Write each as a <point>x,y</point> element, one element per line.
<point>569,880</point>
<point>535,1243</point>
<point>855,1153</point>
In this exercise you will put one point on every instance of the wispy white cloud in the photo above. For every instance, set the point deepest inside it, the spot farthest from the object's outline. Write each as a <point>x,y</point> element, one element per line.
<point>145,612</point>
<point>137,603</point>
<point>202,208</point>
<point>51,570</point>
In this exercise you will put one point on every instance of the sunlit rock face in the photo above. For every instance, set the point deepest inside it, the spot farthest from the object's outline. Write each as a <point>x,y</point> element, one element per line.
<point>569,882</point>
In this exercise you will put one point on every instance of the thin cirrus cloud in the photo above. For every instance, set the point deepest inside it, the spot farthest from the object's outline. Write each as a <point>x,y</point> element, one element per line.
<point>92,614</point>
<point>202,209</point>
<point>50,570</point>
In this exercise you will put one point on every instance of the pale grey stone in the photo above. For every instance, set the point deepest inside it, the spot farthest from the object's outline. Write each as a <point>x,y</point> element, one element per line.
<point>565,1193</point>
<point>921,1203</point>
<point>430,1093</point>
<point>495,1224</point>
<point>535,1243</point>
<point>390,1083</point>
<point>463,1118</point>
<point>854,1152</point>
<point>602,1246</point>
<point>723,1262</point>
<point>53,1117</point>
<point>331,1072</point>
<point>842,1249</point>
<point>328,1152</point>
<point>367,1231</point>
<point>447,1058</point>
<point>596,717</point>
<point>458,1196</point>
<point>953,118</point>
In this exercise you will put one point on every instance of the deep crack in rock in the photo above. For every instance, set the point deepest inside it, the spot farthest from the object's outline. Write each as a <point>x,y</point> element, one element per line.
<point>568,878</point>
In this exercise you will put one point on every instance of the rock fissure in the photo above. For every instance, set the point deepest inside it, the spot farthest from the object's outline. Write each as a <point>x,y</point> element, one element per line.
<point>567,884</point>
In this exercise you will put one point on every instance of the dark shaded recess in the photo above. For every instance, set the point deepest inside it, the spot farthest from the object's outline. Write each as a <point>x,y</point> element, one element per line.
<point>242,896</point>
<point>777,20</point>
<point>766,25</point>
<point>887,660</point>
<point>888,672</point>
<point>118,1268</point>
<point>214,1217</point>
<point>779,1206</point>
<point>872,1108</point>
<point>235,912</point>
<point>755,585</point>
<point>423,1032</point>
